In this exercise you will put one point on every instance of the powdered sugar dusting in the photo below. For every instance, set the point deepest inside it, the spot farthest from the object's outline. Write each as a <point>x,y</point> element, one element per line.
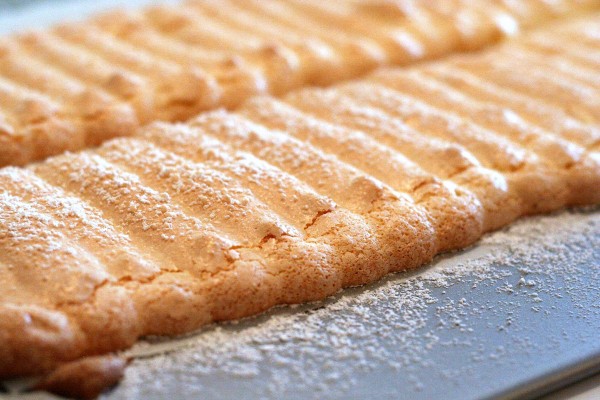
<point>490,314</point>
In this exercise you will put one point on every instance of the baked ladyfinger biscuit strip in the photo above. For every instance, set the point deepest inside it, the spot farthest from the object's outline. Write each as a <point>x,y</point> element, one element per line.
<point>238,74</point>
<point>161,227</point>
<point>74,267</point>
<point>490,18</point>
<point>418,31</point>
<point>576,99</point>
<point>549,46</point>
<point>80,222</point>
<point>558,64</point>
<point>317,59</point>
<point>360,197</point>
<point>117,294</point>
<point>189,25</point>
<point>454,213</point>
<point>156,24</point>
<point>441,26</point>
<point>504,14</point>
<point>97,114</point>
<point>189,143</point>
<point>551,117</point>
<point>585,31</point>
<point>570,160</point>
<point>563,66</point>
<point>128,86</point>
<point>403,40</point>
<point>11,120</point>
<point>148,215</point>
<point>108,296</point>
<point>493,151</point>
<point>515,162</point>
<point>252,65</point>
<point>179,91</point>
<point>166,63</point>
<point>530,13</point>
<point>578,52</point>
<point>356,53</point>
<point>414,83</point>
<point>434,122</point>
<point>113,192</point>
<point>444,159</point>
<point>245,63</point>
<point>31,243</point>
<point>263,179</point>
<point>468,25</point>
<point>202,191</point>
<point>36,126</point>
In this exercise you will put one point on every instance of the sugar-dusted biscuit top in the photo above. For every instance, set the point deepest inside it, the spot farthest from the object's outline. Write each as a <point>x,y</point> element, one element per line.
<point>76,85</point>
<point>283,200</point>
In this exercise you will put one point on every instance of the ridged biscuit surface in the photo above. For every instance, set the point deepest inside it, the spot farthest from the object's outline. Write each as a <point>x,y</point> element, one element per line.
<point>76,85</point>
<point>289,200</point>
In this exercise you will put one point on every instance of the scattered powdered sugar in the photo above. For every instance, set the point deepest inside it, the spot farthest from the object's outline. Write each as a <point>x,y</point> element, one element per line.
<point>466,315</point>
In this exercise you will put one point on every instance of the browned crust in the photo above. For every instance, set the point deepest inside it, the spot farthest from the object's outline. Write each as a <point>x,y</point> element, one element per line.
<point>118,71</point>
<point>84,379</point>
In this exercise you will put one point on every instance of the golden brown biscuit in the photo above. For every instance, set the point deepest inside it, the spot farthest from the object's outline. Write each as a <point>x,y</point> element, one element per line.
<point>84,379</point>
<point>563,156</point>
<point>83,83</point>
<point>282,201</point>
